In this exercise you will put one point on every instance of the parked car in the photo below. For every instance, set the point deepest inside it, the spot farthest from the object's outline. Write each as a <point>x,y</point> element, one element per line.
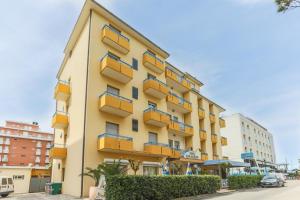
<point>6,186</point>
<point>272,180</point>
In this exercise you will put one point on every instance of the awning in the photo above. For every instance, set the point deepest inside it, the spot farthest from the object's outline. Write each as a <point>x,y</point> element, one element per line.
<point>230,163</point>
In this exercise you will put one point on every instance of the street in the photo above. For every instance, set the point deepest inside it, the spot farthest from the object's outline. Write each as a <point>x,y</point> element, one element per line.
<point>289,192</point>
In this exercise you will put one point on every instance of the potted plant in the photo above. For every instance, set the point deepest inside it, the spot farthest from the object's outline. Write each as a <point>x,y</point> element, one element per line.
<point>102,170</point>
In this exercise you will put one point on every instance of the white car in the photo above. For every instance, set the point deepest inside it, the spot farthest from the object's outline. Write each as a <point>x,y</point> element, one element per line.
<point>6,186</point>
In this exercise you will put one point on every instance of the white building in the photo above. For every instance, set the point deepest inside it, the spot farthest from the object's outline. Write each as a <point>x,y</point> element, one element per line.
<point>246,135</point>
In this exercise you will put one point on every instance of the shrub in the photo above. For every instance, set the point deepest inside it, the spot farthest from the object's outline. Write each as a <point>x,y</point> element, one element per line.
<point>244,181</point>
<point>159,187</point>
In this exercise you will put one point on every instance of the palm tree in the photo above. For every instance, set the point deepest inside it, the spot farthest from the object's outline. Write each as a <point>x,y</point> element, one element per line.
<point>104,169</point>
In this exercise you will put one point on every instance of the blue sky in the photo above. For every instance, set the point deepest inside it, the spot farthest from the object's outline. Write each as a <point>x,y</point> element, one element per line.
<point>246,54</point>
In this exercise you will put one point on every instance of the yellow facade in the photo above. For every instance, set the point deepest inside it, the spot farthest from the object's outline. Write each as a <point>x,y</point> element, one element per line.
<point>107,93</point>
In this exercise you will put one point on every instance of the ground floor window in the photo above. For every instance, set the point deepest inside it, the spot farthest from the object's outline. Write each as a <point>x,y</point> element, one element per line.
<point>150,170</point>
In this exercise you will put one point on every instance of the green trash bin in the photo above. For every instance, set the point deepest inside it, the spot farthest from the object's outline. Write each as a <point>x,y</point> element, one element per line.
<point>53,188</point>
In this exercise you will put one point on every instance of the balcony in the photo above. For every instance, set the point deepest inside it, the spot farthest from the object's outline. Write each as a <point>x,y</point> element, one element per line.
<point>203,135</point>
<point>60,120</point>
<point>115,69</point>
<point>154,63</point>
<point>224,141</point>
<point>115,39</point>
<point>155,117</point>
<point>58,151</point>
<point>38,153</point>
<point>201,113</point>
<point>6,150</point>
<point>116,105</point>
<point>204,156</point>
<point>155,88</point>
<point>112,142</point>
<point>225,158</point>
<point>180,128</point>
<point>178,104</point>
<point>177,81</point>
<point>158,149</point>
<point>212,118</point>
<point>176,153</point>
<point>62,91</point>
<point>214,138</point>
<point>215,157</point>
<point>222,123</point>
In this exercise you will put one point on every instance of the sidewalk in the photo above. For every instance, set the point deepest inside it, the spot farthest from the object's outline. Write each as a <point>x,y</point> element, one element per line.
<point>221,192</point>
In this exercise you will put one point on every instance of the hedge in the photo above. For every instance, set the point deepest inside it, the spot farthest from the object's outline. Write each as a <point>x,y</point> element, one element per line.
<point>159,187</point>
<point>244,181</point>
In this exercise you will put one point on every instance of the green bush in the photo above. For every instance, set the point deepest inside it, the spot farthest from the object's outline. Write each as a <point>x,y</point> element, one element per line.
<point>244,181</point>
<point>159,187</point>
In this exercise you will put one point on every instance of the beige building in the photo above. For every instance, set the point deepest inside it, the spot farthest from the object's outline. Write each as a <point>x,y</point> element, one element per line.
<point>118,98</point>
<point>248,136</point>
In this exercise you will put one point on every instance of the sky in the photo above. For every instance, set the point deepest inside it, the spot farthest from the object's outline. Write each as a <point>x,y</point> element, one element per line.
<point>245,53</point>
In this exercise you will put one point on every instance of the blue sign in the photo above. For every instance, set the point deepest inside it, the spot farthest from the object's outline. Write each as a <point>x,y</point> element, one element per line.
<point>247,155</point>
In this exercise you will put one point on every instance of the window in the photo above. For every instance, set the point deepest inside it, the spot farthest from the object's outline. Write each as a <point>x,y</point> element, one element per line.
<point>4,181</point>
<point>177,145</point>
<point>135,125</point>
<point>10,181</point>
<point>113,90</point>
<point>150,76</point>
<point>175,118</point>
<point>135,64</point>
<point>170,143</point>
<point>18,177</point>
<point>135,93</point>
<point>152,138</point>
<point>150,170</point>
<point>113,56</point>
<point>152,105</point>
<point>112,128</point>
<point>114,29</point>
<point>151,53</point>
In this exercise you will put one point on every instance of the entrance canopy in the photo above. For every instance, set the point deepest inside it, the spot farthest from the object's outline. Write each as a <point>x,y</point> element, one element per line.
<point>229,163</point>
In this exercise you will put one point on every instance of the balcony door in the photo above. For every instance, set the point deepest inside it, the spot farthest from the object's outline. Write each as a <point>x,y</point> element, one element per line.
<point>112,128</point>
<point>152,138</point>
<point>152,105</point>
<point>113,90</point>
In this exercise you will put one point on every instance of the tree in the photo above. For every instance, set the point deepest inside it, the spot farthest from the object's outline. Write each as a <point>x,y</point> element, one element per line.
<point>104,169</point>
<point>135,165</point>
<point>284,5</point>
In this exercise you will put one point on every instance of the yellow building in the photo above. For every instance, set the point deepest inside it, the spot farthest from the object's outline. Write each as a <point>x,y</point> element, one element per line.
<point>118,98</point>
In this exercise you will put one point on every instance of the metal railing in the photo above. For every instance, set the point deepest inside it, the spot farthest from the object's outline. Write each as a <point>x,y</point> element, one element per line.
<point>156,143</point>
<point>113,30</point>
<point>155,79</point>
<point>180,78</point>
<point>111,135</point>
<point>153,56</point>
<point>115,95</point>
<point>112,56</point>
<point>182,125</point>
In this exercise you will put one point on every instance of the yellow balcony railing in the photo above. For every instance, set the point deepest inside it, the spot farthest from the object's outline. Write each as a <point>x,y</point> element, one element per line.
<point>154,63</point>
<point>115,39</point>
<point>115,104</point>
<point>179,104</point>
<point>62,91</point>
<point>201,113</point>
<point>180,128</point>
<point>155,117</point>
<point>176,81</point>
<point>204,156</point>
<point>60,120</point>
<point>203,135</point>
<point>222,123</point>
<point>212,118</point>
<point>214,138</point>
<point>58,152</point>
<point>155,88</point>
<point>176,153</point>
<point>158,149</point>
<point>115,69</point>
<point>224,141</point>
<point>112,142</point>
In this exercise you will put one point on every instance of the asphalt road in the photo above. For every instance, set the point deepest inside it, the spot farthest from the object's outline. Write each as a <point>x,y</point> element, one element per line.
<point>291,191</point>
